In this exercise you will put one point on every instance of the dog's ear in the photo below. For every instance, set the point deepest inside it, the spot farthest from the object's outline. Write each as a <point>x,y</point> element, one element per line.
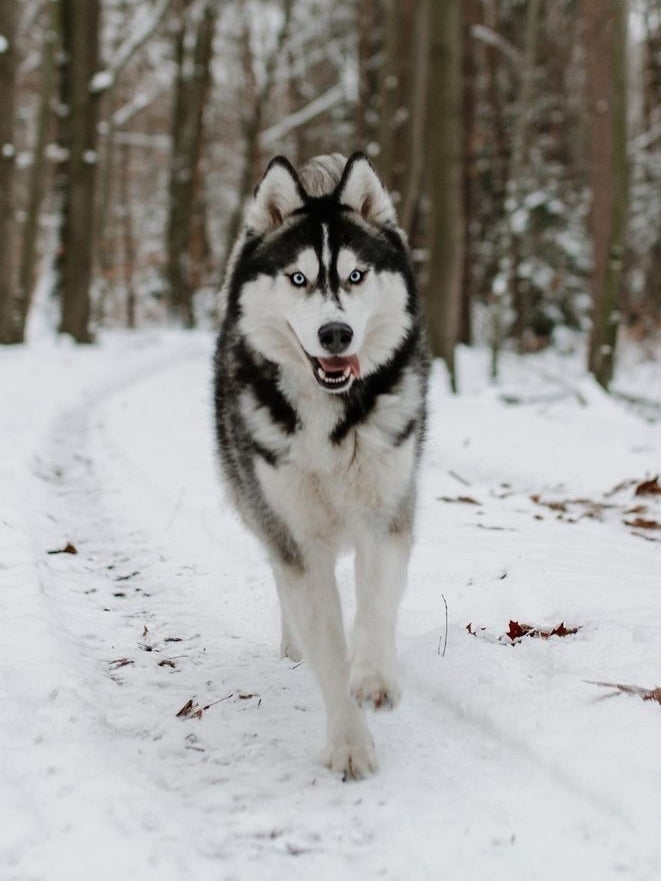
<point>362,190</point>
<point>277,196</point>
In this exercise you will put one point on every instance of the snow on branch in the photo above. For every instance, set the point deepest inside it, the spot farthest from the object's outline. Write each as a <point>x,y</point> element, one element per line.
<point>492,38</point>
<point>103,80</point>
<point>315,108</point>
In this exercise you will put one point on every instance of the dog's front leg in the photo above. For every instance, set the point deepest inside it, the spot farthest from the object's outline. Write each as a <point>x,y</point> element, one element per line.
<point>381,565</point>
<point>311,608</point>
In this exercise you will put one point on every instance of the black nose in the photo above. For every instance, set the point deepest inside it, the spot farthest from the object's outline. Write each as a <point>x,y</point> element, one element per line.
<point>335,337</point>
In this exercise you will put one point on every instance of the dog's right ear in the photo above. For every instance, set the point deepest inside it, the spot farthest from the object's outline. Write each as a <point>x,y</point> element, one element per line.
<point>276,198</point>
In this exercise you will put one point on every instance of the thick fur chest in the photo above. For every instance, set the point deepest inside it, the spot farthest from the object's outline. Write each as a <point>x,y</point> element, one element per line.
<point>332,477</point>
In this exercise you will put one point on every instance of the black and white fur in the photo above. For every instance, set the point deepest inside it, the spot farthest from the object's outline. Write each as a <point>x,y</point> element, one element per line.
<point>315,460</point>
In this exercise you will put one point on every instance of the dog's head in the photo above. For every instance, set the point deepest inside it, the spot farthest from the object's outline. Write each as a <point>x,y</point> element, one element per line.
<point>323,278</point>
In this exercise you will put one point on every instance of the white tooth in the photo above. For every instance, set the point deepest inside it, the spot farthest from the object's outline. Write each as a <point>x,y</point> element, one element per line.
<point>321,372</point>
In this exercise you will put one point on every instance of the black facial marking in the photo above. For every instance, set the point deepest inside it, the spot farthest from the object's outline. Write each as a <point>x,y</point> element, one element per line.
<point>362,396</point>
<point>262,378</point>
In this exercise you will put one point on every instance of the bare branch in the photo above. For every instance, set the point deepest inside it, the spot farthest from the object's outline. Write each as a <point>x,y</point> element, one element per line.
<point>104,80</point>
<point>315,108</point>
<point>491,38</point>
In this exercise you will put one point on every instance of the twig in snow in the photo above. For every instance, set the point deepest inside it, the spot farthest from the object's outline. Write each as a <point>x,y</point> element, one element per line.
<point>445,640</point>
<point>459,478</point>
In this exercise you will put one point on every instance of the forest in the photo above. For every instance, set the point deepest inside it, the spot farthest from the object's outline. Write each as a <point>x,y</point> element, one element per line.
<point>521,142</point>
<point>156,724</point>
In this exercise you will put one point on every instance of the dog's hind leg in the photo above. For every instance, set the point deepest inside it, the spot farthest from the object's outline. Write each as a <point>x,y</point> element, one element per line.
<point>381,564</point>
<point>311,607</point>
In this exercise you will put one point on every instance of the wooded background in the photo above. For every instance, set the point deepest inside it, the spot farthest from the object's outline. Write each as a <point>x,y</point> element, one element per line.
<point>521,140</point>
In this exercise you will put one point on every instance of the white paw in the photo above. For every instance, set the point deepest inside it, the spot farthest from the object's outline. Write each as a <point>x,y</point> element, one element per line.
<point>351,755</point>
<point>374,690</point>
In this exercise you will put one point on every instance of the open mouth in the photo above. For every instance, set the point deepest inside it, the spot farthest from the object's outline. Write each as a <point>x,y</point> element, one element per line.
<point>336,373</point>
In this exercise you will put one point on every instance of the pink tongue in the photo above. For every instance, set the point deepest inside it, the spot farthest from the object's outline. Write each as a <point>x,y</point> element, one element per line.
<point>341,363</point>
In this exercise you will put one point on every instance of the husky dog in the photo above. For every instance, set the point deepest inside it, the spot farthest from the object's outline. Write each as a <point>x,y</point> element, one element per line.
<point>320,381</point>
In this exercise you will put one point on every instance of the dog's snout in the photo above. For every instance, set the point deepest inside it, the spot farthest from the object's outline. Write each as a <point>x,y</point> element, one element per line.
<point>335,337</point>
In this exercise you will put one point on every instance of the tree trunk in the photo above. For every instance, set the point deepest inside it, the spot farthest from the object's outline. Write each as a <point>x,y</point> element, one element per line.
<point>370,34</point>
<point>256,101</point>
<point>8,65</point>
<point>79,24</point>
<point>417,152</point>
<point>191,93</point>
<point>469,166</point>
<point>446,221</point>
<point>36,185</point>
<point>517,291</point>
<point>128,239</point>
<point>604,24</point>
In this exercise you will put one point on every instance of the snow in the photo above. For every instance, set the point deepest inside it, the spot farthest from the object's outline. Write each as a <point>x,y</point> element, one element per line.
<point>503,760</point>
<point>101,81</point>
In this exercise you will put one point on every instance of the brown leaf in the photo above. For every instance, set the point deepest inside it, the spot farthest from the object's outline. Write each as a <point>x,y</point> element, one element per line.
<point>190,710</point>
<point>641,523</point>
<point>649,487</point>
<point>166,663</point>
<point>516,630</point>
<point>561,630</point>
<point>67,549</point>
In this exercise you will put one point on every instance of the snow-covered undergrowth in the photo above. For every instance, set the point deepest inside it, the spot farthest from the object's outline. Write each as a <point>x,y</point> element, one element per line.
<point>504,760</point>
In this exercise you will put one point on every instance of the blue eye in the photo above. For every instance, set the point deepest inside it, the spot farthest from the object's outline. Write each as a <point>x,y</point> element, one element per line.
<point>356,276</point>
<point>298,279</point>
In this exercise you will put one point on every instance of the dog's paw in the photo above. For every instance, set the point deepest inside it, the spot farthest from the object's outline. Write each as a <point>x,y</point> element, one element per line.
<point>352,756</point>
<point>373,689</point>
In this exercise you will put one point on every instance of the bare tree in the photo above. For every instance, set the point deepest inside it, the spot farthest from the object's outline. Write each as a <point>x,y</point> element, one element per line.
<point>605,23</point>
<point>193,49</point>
<point>37,180</point>
<point>446,222</point>
<point>255,104</point>
<point>8,63</point>
<point>398,85</point>
<point>76,177</point>
<point>369,28</point>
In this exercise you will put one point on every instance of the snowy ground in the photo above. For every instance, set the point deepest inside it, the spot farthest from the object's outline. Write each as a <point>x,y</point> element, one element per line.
<point>503,760</point>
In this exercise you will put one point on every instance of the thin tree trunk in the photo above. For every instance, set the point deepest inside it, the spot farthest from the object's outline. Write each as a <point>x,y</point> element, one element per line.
<point>388,88</point>
<point>605,49</point>
<point>446,222</point>
<point>192,89</point>
<point>79,22</point>
<point>8,65</point>
<point>127,235</point>
<point>518,294</point>
<point>471,17</point>
<point>412,184</point>
<point>36,185</point>
<point>252,123</point>
<point>370,33</point>
<point>398,83</point>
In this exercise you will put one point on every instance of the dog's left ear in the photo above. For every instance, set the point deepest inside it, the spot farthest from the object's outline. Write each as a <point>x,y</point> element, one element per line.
<point>276,198</point>
<point>362,190</point>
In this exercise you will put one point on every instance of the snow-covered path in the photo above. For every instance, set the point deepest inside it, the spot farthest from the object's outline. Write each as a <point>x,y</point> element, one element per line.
<point>502,760</point>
